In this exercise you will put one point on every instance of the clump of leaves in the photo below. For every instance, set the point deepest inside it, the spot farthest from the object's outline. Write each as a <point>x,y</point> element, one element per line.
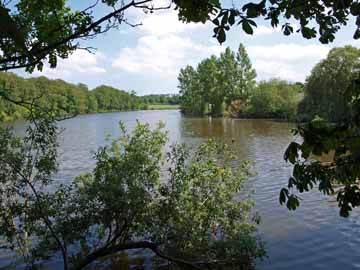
<point>186,214</point>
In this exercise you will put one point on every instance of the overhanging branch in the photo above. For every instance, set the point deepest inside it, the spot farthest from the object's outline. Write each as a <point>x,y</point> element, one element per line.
<point>106,251</point>
<point>38,54</point>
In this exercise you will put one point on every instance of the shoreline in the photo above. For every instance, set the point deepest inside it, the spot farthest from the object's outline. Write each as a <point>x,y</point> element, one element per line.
<point>8,119</point>
<point>243,118</point>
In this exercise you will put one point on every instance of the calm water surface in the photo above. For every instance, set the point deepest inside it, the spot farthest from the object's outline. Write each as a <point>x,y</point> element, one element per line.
<point>312,237</point>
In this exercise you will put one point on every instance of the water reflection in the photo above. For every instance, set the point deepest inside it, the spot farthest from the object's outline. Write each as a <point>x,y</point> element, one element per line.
<point>313,237</point>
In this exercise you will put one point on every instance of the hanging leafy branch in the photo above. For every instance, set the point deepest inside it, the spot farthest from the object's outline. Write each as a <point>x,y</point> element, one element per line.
<point>329,156</point>
<point>33,32</point>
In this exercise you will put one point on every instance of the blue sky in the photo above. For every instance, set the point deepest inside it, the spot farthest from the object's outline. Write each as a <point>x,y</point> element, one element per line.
<point>148,58</point>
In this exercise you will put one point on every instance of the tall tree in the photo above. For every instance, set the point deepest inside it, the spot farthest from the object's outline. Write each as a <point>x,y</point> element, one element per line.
<point>245,75</point>
<point>228,74</point>
<point>189,90</point>
<point>213,94</point>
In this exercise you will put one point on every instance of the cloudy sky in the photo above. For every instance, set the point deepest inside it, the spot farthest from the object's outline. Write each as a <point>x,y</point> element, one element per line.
<point>147,58</point>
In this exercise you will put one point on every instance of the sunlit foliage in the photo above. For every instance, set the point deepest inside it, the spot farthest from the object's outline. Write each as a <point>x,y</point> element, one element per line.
<point>226,85</point>
<point>59,97</point>
<point>188,214</point>
<point>327,84</point>
<point>216,82</point>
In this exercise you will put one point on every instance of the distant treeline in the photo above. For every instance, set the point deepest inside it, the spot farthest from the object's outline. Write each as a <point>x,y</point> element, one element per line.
<point>165,99</point>
<point>226,85</point>
<point>63,98</point>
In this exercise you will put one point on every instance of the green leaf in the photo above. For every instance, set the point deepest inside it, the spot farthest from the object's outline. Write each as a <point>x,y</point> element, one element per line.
<point>288,30</point>
<point>357,34</point>
<point>221,35</point>
<point>224,19</point>
<point>216,21</point>
<point>293,202</point>
<point>247,27</point>
<point>291,152</point>
<point>308,32</point>
<point>232,18</point>
<point>252,12</point>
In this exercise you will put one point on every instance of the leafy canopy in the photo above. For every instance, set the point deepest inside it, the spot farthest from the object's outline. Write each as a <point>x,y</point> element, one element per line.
<point>33,32</point>
<point>274,99</point>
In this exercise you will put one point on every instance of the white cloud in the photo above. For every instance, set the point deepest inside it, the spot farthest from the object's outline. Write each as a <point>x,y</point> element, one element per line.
<point>81,62</point>
<point>289,52</point>
<point>163,55</point>
<point>160,22</point>
<point>166,23</point>
<point>287,61</point>
<point>262,30</point>
<point>276,69</point>
<point>163,48</point>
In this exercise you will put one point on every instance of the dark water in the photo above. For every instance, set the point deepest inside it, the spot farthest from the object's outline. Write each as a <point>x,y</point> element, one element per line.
<point>312,237</point>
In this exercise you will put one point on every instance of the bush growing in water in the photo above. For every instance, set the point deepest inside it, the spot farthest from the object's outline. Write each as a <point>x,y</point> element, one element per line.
<point>124,203</point>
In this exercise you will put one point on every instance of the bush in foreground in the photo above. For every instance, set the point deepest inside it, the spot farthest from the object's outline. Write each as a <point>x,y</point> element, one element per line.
<point>186,215</point>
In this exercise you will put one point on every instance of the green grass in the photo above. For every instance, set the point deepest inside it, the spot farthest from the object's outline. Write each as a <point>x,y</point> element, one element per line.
<point>163,107</point>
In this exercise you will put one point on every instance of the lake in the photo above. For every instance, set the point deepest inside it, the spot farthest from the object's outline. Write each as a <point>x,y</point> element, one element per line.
<point>313,237</point>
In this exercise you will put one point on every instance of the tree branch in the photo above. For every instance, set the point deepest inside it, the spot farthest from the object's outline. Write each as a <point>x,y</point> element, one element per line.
<point>106,251</point>
<point>31,105</point>
<point>39,54</point>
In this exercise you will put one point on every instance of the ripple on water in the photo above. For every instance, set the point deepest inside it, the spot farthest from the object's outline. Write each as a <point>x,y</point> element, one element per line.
<point>313,237</point>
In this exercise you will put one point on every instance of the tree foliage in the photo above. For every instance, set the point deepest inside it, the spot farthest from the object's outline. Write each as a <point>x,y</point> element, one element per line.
<point>321,19</point>
<point>326,86</point>
<point>124,203</point>
<point>35,32</point>
<point>217,81</point>
<point>245,75</point>
<point>226,84</point>
<point>191,97</point>
<point>274,99</point>
<point>329,156</point>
